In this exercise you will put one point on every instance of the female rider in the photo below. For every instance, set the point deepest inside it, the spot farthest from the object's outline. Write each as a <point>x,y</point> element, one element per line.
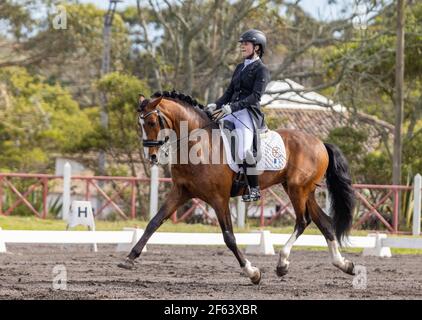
<point>240,104</point>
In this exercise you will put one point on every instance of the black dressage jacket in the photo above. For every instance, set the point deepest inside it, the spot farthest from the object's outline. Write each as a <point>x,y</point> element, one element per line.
<point>245,91</point>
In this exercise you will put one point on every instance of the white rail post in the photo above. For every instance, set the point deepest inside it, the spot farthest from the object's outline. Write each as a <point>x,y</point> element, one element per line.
<point>240,213</point>
<point>417,185</point>
<point>379,250</point>
<point>2,243</point>
<point>137,234</point>
<point>153,199</point>
<point>327,202</point>
<point>67,173</point>
<point>265,245</point>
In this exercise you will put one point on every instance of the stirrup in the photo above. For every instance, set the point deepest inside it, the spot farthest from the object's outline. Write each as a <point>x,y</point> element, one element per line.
<point>254,195</point>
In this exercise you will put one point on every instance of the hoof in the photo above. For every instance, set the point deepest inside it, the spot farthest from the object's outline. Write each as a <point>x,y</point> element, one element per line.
<point>256,279</point>
<point>282,270</point>
<point>347,267</point>
<point>350,268</point>
<point>127,264</point>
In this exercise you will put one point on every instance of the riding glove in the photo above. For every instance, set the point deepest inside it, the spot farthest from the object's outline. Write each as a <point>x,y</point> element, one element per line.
<point>221,113</point>
<point>210,107</point>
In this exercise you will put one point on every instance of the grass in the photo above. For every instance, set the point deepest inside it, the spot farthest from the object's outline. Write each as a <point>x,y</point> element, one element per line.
<point>34,223</point>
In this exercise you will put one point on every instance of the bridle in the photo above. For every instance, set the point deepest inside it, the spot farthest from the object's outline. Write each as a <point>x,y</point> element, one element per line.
<point>161,119</point>
<point>147,143</point>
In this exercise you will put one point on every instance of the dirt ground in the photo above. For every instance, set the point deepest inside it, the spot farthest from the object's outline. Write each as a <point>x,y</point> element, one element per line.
<point>176,272</point>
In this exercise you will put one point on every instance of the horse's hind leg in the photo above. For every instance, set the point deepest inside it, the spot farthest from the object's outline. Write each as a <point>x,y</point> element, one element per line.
<point>325,225</point>
<point>298,196</point>
<point>224,219</point>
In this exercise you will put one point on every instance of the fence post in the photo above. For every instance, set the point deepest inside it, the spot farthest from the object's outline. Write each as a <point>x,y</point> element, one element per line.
<point>44,197</point>
<point>67,173</point>
<point>133,200</point>
<point>153,199</point>
<point>327,202</point>
<point>240,213</point>
<point>2,243</point>
<point>396,209</point>
<point>87,190</point>
<point>262,218</point>
<point>1,195</point>
<point>417,185</point>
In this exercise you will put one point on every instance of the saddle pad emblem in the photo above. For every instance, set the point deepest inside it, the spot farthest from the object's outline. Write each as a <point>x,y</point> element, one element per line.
<point>276,152</point>
<point>273,152</point>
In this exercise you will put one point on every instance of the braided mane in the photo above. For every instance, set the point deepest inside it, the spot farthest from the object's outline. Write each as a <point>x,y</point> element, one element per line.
<point>180,97</point>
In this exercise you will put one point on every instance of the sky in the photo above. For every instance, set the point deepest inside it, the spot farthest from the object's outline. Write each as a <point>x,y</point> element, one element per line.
<point>317,8</point>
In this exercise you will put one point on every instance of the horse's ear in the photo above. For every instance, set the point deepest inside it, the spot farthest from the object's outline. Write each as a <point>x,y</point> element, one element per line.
<point>141,98</point>
<point>155,102</point>
<point>142,102</point>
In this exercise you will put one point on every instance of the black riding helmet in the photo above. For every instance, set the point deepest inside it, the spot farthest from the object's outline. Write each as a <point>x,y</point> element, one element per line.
<point>256,37</point>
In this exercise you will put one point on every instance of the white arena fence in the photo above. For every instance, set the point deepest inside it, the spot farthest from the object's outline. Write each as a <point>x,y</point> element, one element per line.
<point>257,242</point>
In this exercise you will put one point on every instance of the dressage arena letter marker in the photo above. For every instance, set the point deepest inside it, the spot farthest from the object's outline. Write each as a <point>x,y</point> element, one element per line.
<point>85,211</point>
<point>81,214</point>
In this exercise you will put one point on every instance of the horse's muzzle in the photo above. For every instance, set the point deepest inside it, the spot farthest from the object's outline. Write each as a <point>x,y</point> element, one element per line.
<point>153,159</point>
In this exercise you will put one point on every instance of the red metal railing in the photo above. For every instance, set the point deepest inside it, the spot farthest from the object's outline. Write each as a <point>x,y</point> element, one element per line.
<point>196,203</point>
<point>95,182</point>
<point>91,183</point>
<point>393,193</point>
<point>369,207</point>
<point>41,181</point>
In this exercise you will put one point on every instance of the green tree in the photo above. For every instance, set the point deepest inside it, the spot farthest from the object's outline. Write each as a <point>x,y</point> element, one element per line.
<point>39,121</point>
<point>352,143</point>
<point>121,139</point>
<point>368,83</point>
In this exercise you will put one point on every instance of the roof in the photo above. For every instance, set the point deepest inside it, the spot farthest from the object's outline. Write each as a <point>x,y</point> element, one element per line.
<point>291,95</point>
<point>315,114</point>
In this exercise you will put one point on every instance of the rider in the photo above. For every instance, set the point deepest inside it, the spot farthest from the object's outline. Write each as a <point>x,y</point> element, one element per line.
<point>240,104</point>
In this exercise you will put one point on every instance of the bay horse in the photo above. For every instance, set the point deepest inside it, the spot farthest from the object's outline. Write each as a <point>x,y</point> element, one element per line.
<point>308,161</point>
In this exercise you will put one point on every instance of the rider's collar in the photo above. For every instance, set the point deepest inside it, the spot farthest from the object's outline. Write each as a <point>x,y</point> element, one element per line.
<point>249,61</point>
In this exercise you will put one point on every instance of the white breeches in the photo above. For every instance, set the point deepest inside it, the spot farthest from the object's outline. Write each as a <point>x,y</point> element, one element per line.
<point>244,132</point>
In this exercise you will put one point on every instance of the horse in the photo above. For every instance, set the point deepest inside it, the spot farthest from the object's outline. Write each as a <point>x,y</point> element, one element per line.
<point>308,161</point>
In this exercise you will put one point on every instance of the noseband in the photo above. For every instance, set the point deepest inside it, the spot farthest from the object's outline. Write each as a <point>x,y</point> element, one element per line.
<point>155,143</point>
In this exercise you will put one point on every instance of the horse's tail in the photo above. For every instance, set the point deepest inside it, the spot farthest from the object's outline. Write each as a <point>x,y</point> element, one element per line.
<point>339,184</point>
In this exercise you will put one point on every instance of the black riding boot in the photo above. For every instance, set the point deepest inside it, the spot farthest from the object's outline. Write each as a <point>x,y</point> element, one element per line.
<point>254,193</point>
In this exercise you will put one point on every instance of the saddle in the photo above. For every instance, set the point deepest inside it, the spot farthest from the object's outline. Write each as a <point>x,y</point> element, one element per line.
<point>271,155</point>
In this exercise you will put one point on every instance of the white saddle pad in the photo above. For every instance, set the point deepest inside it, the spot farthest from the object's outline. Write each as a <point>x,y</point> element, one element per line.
<point>273,152</point>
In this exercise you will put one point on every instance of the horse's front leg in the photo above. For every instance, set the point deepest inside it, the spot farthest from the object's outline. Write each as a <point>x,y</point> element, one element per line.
<point>176,198</point>
<point>224,218</point>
